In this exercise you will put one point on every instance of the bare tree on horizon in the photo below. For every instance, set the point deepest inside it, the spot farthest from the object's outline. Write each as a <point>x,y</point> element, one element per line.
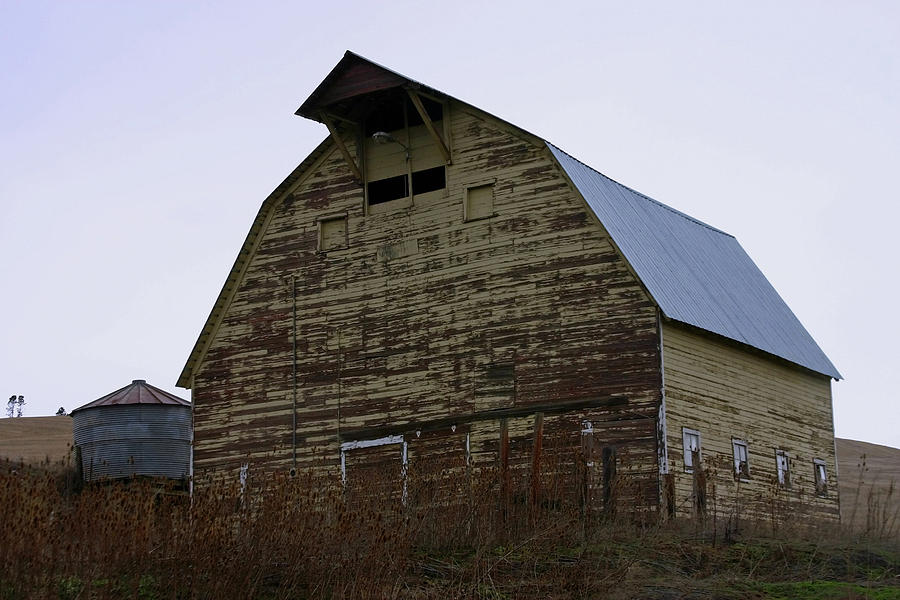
<point>14,406</point>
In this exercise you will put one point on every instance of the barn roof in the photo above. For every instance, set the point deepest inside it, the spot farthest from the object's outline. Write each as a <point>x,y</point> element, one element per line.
<point>350,79</point>
<point>697,274</point>
<point>137,392</point>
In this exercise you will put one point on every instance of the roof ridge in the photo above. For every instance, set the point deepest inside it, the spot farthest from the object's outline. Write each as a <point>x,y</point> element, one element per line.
<point>642,195</point>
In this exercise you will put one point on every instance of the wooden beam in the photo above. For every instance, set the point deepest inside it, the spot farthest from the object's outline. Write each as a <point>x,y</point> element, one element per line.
<point>420,108</point>
<point>341,146</point>
<point>335,117</point>
<point>463,419</point>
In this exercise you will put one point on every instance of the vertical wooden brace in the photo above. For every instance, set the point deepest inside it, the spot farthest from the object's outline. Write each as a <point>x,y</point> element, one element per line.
<point>504,467</point>
<point>536,459</point>
<point>610,484</point>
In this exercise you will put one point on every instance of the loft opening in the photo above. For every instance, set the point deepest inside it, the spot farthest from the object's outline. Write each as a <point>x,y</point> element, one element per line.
<point>402,155</point>
<point>429,180</point>
<point>387,189</point>
<point>397,187</point>
<point>395,114</point>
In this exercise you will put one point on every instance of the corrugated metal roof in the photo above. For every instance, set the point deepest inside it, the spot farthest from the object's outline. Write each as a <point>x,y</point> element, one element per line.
<point>697,274</point>
<point>137,392</point>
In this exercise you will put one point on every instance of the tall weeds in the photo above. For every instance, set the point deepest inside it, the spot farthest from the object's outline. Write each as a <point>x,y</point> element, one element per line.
<point>312,536</point>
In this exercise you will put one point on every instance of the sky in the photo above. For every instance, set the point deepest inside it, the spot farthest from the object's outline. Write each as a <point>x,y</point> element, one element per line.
<point>137,141</point>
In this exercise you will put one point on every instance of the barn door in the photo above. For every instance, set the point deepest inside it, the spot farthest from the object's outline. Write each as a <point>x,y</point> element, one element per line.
<point>375,470</point>
<point>439,466</point>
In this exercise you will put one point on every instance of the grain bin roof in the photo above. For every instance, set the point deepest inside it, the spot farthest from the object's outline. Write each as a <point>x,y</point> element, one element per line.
<point>137,392</point>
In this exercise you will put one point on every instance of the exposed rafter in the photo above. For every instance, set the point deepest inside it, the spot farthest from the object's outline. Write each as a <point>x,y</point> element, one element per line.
<point>417,102</point>
<point>336,117</point>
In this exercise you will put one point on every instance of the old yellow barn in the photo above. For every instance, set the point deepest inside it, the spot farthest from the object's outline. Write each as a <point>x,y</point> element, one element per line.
<point>433,281</point>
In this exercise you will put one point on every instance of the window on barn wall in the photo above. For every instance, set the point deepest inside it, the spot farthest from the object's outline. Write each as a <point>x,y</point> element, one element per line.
<point>691,443</point>
<point>821,474</point>
<point>741,461</point>
<point>402,159</point>
<point>479,202</point>
<point>332,233</point>
<point>783,466</point>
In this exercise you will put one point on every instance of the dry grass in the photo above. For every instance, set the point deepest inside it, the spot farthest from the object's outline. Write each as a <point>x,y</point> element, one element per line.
<point>35,440</point>
<point>310,538</point>
<point>865,484</point>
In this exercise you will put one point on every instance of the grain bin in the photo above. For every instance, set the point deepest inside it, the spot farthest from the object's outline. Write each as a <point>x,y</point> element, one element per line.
<point>139,430</point>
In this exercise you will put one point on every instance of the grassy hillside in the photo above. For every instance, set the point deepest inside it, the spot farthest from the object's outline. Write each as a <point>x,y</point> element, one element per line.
<point>34,440</point>
<point>868,476</point>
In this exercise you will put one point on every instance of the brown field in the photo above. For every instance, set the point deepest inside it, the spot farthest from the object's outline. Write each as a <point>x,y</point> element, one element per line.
<point>35,440</point>
<point>868,476</point>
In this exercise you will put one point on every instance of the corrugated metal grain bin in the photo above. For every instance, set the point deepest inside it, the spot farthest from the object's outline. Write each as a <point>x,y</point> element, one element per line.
<point>139,430</point>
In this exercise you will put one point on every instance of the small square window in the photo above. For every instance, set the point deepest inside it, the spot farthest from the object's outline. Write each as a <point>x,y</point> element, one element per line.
<point>821,473</point>
<point>741,460</point>
<point>479,202</point>
<point>783,465</point>
<point>691,440</point>
<point>332,233</point>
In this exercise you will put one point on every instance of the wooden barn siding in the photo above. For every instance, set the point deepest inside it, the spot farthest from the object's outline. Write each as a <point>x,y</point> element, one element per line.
<point>726,392</point>
<point>529,307</point>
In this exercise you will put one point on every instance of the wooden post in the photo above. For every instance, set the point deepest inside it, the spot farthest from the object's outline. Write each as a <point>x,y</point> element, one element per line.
<point>504,469</point>
<point>609,480</point>
<point>536,462</point>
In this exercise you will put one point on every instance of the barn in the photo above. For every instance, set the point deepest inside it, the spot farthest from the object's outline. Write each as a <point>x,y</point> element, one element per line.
<point>433,281</point>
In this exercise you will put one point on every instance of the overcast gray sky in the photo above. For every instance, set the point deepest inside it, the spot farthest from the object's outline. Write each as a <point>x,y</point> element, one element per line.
<point>137,141</point>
